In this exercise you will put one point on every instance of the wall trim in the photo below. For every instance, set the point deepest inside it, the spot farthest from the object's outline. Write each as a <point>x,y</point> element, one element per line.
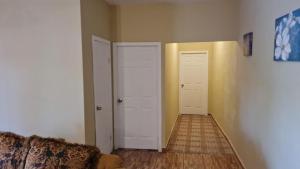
<point>230,142</point>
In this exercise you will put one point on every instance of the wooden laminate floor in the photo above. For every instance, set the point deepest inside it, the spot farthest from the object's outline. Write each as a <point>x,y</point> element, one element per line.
<point>196,143</point>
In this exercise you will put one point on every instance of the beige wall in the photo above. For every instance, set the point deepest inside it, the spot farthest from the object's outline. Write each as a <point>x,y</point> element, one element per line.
<point>191,22</point>
<point>224,87</point>
<point>260,104</point>
<point>96,19</point>
<point>171,88</point>
<point>41,86</point>
<point>224,82</point>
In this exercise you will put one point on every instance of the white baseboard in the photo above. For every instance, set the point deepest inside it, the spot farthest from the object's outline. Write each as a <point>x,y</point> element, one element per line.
<point>232,146</point>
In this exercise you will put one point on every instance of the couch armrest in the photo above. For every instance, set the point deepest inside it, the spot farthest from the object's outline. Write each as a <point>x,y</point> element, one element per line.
<point>109,162</point>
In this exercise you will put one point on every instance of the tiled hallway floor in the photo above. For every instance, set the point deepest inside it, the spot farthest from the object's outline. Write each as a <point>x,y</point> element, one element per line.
<point>196,143</point>
<point>198,134</point>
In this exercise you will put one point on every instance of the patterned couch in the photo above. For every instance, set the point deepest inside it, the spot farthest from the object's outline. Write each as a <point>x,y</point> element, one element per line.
<point>18,152</point>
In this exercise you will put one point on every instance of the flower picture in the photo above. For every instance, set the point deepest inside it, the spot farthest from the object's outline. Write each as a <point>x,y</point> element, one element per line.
<point>248,44</point>
<point>287,37</point>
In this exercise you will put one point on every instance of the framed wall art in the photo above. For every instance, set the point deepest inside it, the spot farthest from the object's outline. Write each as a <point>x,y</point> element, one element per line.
<point>248,44</point>
<point>287,37</point>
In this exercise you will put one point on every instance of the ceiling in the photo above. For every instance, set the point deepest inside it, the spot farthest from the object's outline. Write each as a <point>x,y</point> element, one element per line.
<point>119,2</point>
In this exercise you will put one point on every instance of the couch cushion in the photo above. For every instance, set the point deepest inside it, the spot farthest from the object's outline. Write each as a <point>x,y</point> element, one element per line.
<point>13,150</point>
<point>57,154</point>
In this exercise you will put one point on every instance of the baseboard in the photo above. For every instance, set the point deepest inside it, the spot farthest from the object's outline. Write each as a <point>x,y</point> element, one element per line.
<point>171,132</point>
<point>227,138</point>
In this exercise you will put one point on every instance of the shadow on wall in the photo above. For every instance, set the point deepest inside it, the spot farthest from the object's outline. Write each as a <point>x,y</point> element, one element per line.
<point>244,143</point>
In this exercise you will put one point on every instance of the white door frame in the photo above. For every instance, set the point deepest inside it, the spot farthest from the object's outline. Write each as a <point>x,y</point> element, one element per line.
<point>101,40</point>
<point>159,84</point>
<point>180,75</point>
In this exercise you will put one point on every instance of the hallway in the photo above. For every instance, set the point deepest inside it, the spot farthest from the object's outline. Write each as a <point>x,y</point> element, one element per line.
<point>196,143</point>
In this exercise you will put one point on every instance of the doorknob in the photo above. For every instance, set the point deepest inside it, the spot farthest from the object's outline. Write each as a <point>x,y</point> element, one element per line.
<point>98,108</point>
<point>182,85</point>
<point>120,100</point>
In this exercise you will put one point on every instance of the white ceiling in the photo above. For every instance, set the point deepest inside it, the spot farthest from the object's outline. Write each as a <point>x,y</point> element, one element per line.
<point>119,2</point>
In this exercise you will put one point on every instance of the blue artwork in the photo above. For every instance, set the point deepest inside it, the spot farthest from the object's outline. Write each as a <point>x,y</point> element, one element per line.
<point>287,37</point>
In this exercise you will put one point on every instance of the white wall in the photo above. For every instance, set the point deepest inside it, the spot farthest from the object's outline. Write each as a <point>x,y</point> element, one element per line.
<point>41,76</point>
<point>269,111</point>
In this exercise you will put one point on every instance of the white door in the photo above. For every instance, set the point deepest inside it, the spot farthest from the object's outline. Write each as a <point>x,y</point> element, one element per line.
<point>194,83</point>
<point>138,95</point>
<point>103,94</point>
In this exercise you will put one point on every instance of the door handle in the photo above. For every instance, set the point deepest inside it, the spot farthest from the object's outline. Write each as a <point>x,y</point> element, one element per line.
<point>98,108</point>
<point>120,100</point>
<point>182,85</point>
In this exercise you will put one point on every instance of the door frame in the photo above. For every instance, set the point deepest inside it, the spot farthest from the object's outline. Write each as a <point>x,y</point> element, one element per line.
<point>180,75</point>
<point>102,40</point>
<point>159,82</point>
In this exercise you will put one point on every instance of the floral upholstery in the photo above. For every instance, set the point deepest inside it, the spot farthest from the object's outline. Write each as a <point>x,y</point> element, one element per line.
<point>13,150</point>
<point>56,154</point>
<point>18,152</point>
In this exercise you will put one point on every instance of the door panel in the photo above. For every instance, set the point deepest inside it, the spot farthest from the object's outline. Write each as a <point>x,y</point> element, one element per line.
<point>194,83</point>
<point>136,117</point>
<point>103,94</point>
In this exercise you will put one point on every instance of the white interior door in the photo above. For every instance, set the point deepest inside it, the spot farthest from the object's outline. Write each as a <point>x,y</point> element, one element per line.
<point>194,83</point>
<point>138,95</point>
<point>103,94</point>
